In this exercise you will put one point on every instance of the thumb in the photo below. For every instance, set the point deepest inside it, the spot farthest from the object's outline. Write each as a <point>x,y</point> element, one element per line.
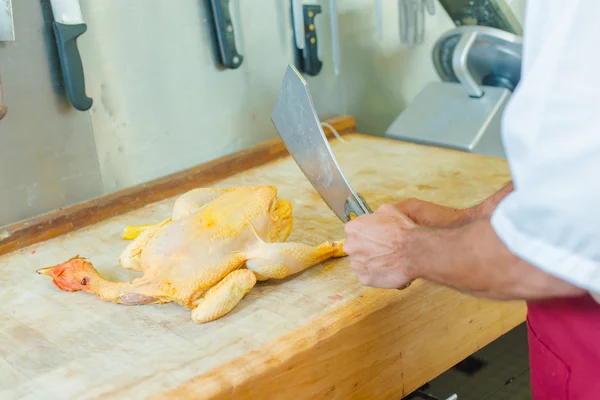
<point>406,221</point>
<point>396,213</point>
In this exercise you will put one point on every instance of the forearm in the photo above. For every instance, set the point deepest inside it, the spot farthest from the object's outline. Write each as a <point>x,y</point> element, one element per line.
<point>472,258</point>
<point>430,214</point>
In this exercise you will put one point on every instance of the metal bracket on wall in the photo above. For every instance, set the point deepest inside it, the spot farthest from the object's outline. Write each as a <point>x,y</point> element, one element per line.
<point>230,58</point>
<point>306,45</point>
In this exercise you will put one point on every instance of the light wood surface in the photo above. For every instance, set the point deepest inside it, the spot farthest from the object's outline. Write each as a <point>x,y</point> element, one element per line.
<point>319,334</point>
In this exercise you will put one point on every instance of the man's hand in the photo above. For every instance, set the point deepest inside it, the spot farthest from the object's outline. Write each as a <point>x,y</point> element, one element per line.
<point>388,250</point>
<point>375,244</point>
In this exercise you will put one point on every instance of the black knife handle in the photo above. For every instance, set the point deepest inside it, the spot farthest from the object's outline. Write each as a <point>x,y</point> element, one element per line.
<point>230,58</point>
<point>70,63</point>
<point>310,64</point>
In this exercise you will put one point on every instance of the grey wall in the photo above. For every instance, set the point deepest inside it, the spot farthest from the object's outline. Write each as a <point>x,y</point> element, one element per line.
<point>160,102</point>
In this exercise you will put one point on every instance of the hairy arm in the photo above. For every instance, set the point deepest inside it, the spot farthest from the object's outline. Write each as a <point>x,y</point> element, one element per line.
<point>472,259</point>
<point>455,248</point>
<point>434,215</point>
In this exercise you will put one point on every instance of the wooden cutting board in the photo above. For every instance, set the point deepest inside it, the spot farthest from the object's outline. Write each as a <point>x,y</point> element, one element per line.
<point>319,334</point>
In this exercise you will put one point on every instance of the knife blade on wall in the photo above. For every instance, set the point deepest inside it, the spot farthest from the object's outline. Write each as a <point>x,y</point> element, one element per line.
<point>335,41</point>
<point>3,108</point>
<point>298,23</point>
<point>7,26</point>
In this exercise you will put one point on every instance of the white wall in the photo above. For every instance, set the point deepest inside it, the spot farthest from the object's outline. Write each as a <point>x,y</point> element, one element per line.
<point>162,106</point>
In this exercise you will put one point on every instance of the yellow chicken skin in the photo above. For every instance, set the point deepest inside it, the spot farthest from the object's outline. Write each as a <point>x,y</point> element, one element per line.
<point>206,256</point>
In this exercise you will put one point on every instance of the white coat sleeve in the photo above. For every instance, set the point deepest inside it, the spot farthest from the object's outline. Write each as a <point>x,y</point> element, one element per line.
<point>551,133</point>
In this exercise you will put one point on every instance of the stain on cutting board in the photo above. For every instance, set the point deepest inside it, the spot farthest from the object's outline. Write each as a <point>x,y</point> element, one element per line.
<point>86,348</point>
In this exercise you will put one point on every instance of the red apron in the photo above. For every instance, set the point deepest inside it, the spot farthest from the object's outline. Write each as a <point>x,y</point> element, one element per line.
<point>564,349</point>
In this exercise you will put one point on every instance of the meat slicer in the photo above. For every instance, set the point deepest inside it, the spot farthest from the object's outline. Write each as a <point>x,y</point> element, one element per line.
<point>479,67</point>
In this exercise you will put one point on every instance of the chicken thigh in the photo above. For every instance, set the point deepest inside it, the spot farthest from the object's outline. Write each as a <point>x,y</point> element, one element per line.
<point>206,256</point>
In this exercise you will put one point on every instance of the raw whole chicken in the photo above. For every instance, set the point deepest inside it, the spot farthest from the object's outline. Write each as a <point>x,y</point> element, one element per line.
<point>206,256</point>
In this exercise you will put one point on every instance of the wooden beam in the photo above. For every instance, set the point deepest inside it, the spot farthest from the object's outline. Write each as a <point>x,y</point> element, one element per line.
<point>59,222</point>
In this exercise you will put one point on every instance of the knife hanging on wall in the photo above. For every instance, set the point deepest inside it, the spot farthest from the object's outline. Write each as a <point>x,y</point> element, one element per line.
<point>7,34</point>
<point>335,41</point>
<point>3,109</point>
<point>379,19</point>
<point>230,58</point>
<point>68,26</point>
<point>305,37</point>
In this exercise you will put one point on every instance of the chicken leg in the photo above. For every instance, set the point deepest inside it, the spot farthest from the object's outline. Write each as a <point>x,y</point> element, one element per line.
<point>224,296</point>
<point>279,260</point>
<point>267,260</point>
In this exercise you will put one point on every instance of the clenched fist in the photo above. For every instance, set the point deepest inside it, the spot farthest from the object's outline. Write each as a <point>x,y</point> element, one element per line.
<point>377,245</point>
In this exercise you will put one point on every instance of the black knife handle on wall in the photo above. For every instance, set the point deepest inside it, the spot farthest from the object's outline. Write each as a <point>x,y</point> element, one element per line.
<point>230,58</point>
<point>307,59</point>
<point>70,63</point>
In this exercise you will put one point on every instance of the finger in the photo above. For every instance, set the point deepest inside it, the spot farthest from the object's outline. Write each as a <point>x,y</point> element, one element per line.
<point>365,279</point>
<point>356,225</point>
<point>407,222</point>
<point>359,267</point>
<point>392,210</point>
<point>353,247</point>
<point>362,273</point>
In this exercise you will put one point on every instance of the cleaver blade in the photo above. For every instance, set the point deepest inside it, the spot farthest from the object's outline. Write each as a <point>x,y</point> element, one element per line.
<point>296,120</point>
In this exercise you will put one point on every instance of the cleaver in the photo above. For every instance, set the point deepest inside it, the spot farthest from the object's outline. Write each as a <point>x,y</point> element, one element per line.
<point>296,120</point>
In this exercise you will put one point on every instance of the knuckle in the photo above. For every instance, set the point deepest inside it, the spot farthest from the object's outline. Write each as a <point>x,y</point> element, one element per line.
<point>365,279</point>
<point>356,266</point>
<point>386,208</point>
<point>351,228</point>
<point>410,204</point>
<point>349,247</point>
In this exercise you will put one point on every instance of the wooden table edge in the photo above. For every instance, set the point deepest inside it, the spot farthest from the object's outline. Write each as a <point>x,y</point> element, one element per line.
<point>252,374</point>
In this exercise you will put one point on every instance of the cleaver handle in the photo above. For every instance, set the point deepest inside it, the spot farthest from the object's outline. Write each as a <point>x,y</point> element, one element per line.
<point>355,207</point>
